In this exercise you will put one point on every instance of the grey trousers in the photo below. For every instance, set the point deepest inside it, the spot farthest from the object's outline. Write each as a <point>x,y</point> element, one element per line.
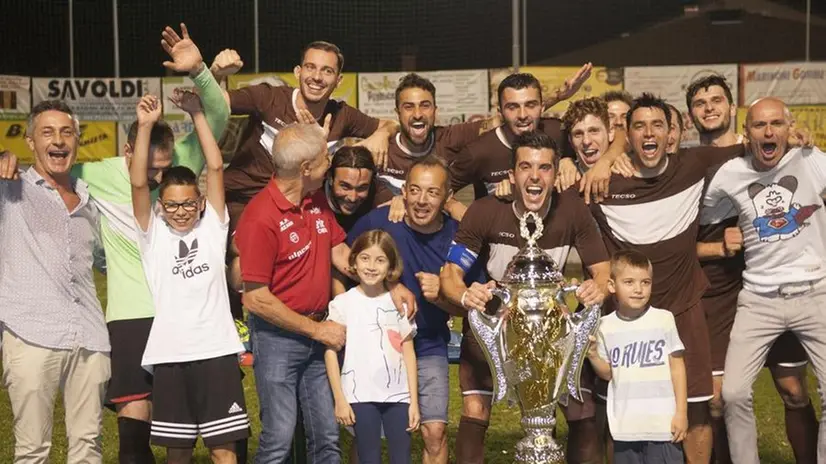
<point>760,319</point>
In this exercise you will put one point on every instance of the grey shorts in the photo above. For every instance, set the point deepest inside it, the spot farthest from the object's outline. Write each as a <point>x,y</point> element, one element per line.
<point>434,388</point>
<point>644,452</point>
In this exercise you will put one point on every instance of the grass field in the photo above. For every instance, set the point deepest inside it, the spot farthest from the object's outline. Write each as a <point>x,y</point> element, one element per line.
<point>502,434</point>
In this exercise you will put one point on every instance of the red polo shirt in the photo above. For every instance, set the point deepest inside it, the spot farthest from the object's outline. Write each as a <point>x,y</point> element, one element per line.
<point>288,247</point>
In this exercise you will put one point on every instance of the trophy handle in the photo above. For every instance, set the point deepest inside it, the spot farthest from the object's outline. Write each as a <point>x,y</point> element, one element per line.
<point>499,303</point>
<point>560,296</point>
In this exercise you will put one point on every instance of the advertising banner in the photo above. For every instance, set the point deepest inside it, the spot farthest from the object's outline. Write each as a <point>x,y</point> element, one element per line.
<point>602,80</point>
<point>459,94</point>
<point>100,99</point>
<point>794,83</point>
<point>97,140</point>
<point>15,97</point>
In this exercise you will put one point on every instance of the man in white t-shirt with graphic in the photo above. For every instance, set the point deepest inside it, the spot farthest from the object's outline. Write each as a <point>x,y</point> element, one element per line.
<point>777,194</point>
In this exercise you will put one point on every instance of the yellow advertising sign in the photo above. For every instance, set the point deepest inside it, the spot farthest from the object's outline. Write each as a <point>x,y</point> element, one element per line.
<point>98,140</point>
<point>346,91</point>
<point>602,80</point>
<point>810,117</point>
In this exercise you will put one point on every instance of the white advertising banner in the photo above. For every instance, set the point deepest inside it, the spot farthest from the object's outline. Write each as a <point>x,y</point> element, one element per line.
<point>462,92</point>
<point>107,99</point>
<point>795,83</point>
<point>671,82</point>
<point>15,97</point>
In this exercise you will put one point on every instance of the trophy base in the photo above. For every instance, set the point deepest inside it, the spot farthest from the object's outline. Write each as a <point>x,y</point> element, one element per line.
<point>539,448</point>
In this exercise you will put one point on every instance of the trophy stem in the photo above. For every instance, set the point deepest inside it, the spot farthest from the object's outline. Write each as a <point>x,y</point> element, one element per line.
<point>539,445</point>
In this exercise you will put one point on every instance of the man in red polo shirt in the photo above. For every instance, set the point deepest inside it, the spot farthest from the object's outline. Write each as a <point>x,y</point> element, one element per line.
<point>288,240</point>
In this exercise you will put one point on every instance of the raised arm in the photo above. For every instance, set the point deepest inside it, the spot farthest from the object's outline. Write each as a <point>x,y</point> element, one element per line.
<point>148,112</point>
<point>189,102</point>
<point>569,87</point>
<point>187,58</point>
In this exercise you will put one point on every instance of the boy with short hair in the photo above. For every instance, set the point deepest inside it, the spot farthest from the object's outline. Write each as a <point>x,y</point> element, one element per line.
<point>193,345</point>
<point>638,350</point>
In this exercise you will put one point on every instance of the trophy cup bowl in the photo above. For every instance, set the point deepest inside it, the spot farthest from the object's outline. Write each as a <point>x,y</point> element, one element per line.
<point>534,346</point>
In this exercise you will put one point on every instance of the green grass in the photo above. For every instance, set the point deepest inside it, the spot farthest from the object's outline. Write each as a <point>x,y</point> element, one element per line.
<point>502,434</point>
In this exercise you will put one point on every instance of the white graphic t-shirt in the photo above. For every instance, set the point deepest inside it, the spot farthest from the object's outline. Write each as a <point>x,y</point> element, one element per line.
<point>641,401</point>
<point>186,276</point>
<point>373,369</point>
<point>781,215</point>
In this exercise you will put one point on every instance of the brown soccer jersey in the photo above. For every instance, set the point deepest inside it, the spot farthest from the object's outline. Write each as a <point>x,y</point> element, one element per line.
<point>659,217</point>
<point>445,141</point>
<point>486,162</point>
<point>490,230</point>
<point>271,109</point>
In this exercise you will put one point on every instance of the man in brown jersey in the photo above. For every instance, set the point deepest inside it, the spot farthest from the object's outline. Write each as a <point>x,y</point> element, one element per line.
<point>490,232</point>
<point>656,212</point>
<point>273,108</point>
<point>719,247</point>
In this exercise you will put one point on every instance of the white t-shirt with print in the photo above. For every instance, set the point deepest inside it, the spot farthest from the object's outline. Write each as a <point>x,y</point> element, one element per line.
<point>641,401</point>
<point>185,273</point>
<point>373,369</point>
<point>781,215</point>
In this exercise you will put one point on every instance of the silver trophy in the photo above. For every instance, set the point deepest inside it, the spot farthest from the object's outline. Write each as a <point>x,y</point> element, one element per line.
<point>534,345</point>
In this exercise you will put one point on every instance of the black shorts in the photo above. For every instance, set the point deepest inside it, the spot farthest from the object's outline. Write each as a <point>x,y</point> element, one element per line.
<point>195,398</point>
<point>130,381</point>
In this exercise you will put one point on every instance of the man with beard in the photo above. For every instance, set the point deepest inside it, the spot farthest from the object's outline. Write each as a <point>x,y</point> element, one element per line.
<point>423,239</point>
<point>776,192</point>
<point>350,186</point>
<point>485,162</point>
<point>419,135</point>
<point>619,102</point>
<point>719,248</point>
<point>271,109</point>
<point>656,212</point>
<point>489,233</point>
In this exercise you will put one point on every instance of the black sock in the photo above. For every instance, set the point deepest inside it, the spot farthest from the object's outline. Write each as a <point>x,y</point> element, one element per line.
<point>470,441</point>
<point>583,447</point>
<point>801,429</point>
<point>133,436</point>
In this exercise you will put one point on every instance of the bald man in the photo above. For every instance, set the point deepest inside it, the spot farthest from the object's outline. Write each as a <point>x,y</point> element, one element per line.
<point>777,194</point>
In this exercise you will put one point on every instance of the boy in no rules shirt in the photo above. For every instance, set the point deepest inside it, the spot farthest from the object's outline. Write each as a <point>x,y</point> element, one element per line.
<point>638,350</point>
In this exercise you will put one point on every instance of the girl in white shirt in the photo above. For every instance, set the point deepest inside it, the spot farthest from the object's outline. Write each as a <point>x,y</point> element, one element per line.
<point>377,386</point>
<point>193,345</point>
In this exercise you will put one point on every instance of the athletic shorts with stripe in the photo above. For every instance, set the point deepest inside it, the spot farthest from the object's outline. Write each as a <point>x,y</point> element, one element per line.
<point>130,381</point>
<point>475,378</point>
<point>720,311</point>
<point>199,398</point>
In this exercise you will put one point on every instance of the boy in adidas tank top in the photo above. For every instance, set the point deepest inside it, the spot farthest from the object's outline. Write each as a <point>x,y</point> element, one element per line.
<point>193,345</point>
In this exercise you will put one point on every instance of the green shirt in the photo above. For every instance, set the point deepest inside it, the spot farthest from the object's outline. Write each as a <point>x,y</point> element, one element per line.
<point>110,188</point>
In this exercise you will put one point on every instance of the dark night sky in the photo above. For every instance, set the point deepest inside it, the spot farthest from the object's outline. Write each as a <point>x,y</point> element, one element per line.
<point>374,34</point>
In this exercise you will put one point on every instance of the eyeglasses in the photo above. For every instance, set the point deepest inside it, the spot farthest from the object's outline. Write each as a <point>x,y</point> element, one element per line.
<point>171,207</point>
